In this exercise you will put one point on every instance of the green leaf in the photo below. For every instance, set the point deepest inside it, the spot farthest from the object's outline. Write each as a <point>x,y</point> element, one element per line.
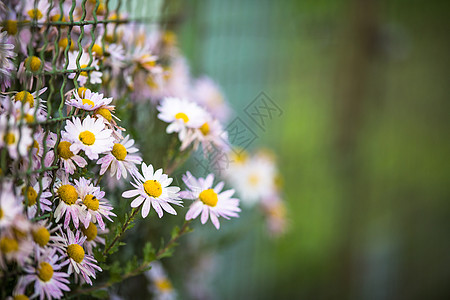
<point>149,253</point>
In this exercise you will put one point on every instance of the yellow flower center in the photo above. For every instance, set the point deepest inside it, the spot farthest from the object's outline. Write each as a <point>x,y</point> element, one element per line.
<point>97,49</point>
<point>64,150</point>
<point>45,271</point>
<point>163,285</point>
<point>88,101</point>
<point>253,179</point>
<point>182,116</point>
<point>204,129</point>
<point>68,194</point>
<point>25,97</point>
<point>90,232</point>
<point>11,27</point>
<point>153,188</point>
<point>35,13</point>
<point>28,118</point>
<point>1,213</point>
<point>119,151</point>
<point>91,202</point>
<point>8,245</point>
<point>35,145</point>
<point>57,17</point>
<point>83,73</point>
<point>169,37</point>
<point>101,10</point>
<point>149,63</point>
<point>81,91</point>
<point>75,252</point>
<point>87,138</point>
<point>209,197</point>
<point>31,195</point>
<point>151,82</point>
<point>33,63</point>
<point>105,113</point>
<point>21,297</point>
<point>9,138</point>
<point>41,236</point>
<point>64,42</point>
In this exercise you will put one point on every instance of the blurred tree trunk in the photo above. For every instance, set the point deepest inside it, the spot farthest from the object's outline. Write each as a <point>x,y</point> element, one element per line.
<point>355,61</point>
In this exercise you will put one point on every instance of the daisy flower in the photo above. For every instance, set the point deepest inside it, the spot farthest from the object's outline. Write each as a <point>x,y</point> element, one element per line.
<point>92,199</point>
<point>153,189</point>
<point>50,281</point>
<point>91,136</point>
<point>31,199</point>
<point>13,248</point>
<point>38,147</point>
<point>93,239</point>
<point>121,159</point>
<point>88,100</point>
<point>210,135</point>
<point>95,75</point>
<point>10,207</point>
<point>16,139</point>
<point>43,237</point>
<point>68,204</point>
<point>68,158</point>
<point>161,286</point>
<point>181,114</point>
<point>254,178</point>
<point>208,94</point>
<point>31,98</point>
<point>79,262</point>
<point>210,202</point>
<point>7,56</point>
<point>35,11</point>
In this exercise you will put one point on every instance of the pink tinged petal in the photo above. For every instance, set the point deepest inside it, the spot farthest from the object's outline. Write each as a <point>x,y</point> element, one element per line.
<point>215,220</point>
<point>130,193</point>
<point>168,208</point>
<point>205,214</point>
<point>157,208</point>
<point>100,222</point>
<point>146,208</point>
<point>138,201</point>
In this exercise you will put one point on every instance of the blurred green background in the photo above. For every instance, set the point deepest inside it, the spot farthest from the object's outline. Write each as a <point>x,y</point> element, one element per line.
<point>363,142</point>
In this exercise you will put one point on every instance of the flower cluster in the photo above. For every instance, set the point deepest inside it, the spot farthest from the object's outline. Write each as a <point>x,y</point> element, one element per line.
<point>63,89</point>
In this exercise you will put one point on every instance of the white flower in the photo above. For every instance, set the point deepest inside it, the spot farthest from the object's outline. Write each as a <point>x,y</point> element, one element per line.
<point>208,201</point>
<point>17,139</point>
<point>10,207</point>
<point>68,158</point>
<point>81,263</point>
<point>95,75</point>
<point>69,204</point>
<point>49,279</point>
<point>210,135</point>
<point>121,159</point>
<point>92,199</point>
<point>253,178</point>
<point>181,114</point>
<point>91,136</point>
<point>153,189</point>
<point>32,192</point>
<point>7,56</point>
<point>208,94</point>
<point>89,101</point>
<point>161,285</point>
<point>31,11</point>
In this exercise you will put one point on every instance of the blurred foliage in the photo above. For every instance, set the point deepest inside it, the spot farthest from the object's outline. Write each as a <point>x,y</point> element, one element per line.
<point>363,142</point>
